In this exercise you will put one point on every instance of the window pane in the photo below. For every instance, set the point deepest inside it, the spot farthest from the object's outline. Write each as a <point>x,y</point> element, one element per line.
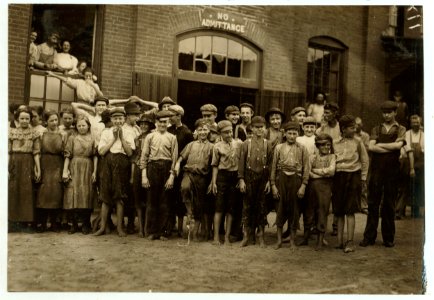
<point>334,65</point>
<point>37,86</point>
<point>310,55</point>
<point>235,52</point>
<point>203,54</point>
<point>36,103</point>
<point>67,92</point>
<point>51,106</point>
<point>186,54</point>
<point>219,53</point>
<point>249,63</point>
<point>53,88</point>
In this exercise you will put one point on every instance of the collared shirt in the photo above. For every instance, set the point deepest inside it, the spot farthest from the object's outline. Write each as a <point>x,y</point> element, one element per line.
<point>291,159</point>
<point>159,146</point>
<point>308,142</point>
<point>107,137</point>
<point>322,166</point>
<point>258,159</point>
<point>334,132</point>
<point>226,155</point>
<point>395,128</point>
<point>351,156</point>
<point>198,155</point>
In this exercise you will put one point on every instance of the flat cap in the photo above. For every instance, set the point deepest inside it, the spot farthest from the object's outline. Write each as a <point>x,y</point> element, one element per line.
<point>297,109</point>
<point>291,126</point>
<point>132,109</point>
<point>105,99</point>
<point>177,109</point>
<point>389,105</point>
<point>117,111</point>
<point>213,128</point>
<point>309,120</point>
<point>208,107</point>
<point>166,100</point>
<point>200,123</point>
<point>274,111</point>
<point>258,121</point>
<point>323,138</point>
<point>224,126</point>
<point>232,109</point>
<point>163,114</point>
<point>146,119</point>
<point>246,104</point>
<point>347,121</point>
<point>331,105</point>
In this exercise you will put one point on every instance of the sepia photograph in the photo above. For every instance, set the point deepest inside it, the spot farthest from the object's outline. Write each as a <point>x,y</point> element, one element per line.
<point>232,148</point>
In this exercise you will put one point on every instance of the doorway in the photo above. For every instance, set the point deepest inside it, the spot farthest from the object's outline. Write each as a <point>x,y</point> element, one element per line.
<point>192,95</point>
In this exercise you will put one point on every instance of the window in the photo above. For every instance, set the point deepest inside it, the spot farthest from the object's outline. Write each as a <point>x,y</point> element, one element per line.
<point>81,25</point>
<point>218,58</point>
<point>325,64</point>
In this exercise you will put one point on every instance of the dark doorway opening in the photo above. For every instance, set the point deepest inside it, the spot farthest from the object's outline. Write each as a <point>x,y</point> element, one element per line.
<point>192,95</point>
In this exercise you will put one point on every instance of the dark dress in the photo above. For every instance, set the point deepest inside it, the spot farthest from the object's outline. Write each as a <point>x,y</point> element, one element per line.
<point>50,194</point>
<point>79,190</point>
<point>23,145</point>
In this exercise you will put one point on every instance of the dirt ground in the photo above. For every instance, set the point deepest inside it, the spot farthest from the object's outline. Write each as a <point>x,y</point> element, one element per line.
<point>62,262</point>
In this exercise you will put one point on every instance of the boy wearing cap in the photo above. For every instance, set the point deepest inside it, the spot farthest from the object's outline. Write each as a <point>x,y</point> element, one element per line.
<point>385,144</point>
<point>307,205</point>
<point>352,164</point>
<point>139,195</point>
<point>323,166</point>
<point>289,177</point>
<point>158,159</point>
<point>133,113</point>
<point>119,145</point>
<point>183,136</point>
<point>253,174</point>
<point>197,155</point>
<point>225,158</point>
<point>274,133</point>
<point>298,114</point>
<point>209,113</point>
<point>232,114</point>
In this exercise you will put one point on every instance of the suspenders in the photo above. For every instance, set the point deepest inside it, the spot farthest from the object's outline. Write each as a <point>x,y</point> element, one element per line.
<point>264,157</point>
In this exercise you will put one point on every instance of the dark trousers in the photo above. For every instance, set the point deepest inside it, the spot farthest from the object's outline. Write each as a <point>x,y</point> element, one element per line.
<point>288,207</point>
<point>308,207</point>
<point>254,204</point>
<point>383,184</point>
<point>157,206</point>
<point>320,194</point>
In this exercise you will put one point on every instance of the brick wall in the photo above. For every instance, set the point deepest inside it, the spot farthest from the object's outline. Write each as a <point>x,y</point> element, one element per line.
<point>18,28</point>
<point>118,50</point>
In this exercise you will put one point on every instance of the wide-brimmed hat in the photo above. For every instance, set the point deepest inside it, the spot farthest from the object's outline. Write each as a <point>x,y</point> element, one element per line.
<point>166,100</point>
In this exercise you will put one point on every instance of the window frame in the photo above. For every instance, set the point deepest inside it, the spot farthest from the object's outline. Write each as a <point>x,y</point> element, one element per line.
<point>333,46</point>
<point>217,78</point>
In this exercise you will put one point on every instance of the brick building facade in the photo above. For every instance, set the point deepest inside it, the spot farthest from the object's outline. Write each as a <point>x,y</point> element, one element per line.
<point>138,52</point>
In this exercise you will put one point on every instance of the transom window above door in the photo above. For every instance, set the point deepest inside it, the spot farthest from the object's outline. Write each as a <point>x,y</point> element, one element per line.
<point>218,58</point>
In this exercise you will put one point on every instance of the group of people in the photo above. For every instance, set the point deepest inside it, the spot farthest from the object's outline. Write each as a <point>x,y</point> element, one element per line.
<point>137,158</point>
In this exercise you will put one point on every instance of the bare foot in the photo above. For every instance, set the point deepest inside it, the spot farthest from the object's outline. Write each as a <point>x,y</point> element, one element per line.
<point>140,234</point>
<point>277,246</point>
<point>121,233</point>
<point>163,238</point>
<point>151,237</point>
<point>107,230</point>
<point>100,231</point>
<point>244,242</point>
<point>319,246</point>
<point>227,242</point>
<point>216,243</point>
<point>293,247</point>
<point>262,243</point>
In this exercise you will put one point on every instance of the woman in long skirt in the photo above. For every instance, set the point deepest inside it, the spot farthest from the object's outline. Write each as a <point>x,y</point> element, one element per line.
<point>50,193</point>
<point>79,172</point>
<point>24,167</point>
